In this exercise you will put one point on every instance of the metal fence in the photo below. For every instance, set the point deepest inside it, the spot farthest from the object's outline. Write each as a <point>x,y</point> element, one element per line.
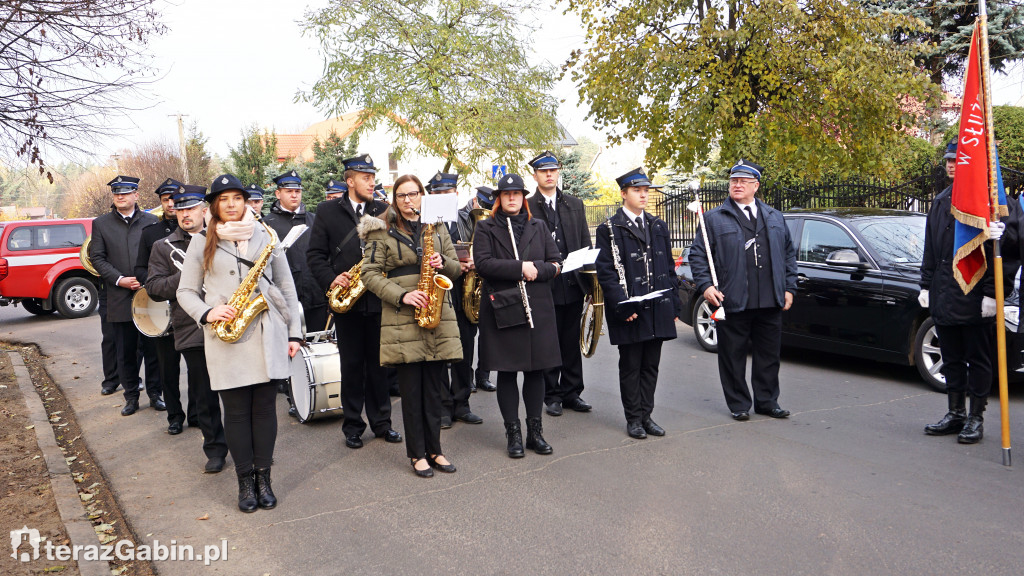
<point>913,195</point>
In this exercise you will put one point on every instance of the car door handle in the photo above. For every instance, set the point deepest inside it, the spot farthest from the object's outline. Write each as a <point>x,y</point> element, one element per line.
<point>801,278</point>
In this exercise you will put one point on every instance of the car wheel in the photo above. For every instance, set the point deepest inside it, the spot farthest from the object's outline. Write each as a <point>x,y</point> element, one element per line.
<point>35,306</point>
<point>703,326</point>
<point>76,298</point>
<point>928,356</point>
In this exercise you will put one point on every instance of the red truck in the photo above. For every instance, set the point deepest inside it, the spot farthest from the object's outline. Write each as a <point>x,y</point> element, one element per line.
<point>40,267</point>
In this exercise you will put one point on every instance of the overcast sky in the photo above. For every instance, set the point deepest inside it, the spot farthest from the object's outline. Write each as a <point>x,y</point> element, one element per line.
<point>229,63</point>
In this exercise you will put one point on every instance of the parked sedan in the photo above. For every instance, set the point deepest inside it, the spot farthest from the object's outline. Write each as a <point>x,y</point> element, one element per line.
<point>857,284</point>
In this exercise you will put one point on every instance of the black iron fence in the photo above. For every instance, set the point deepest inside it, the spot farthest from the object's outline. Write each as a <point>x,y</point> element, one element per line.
<point>913,195</point>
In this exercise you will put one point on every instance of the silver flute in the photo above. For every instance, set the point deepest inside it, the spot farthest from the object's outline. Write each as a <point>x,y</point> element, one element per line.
<point>617,259</point>
<point>522,283</point>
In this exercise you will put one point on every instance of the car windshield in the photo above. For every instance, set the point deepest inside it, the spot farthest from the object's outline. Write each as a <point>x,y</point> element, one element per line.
<point>898,239</point>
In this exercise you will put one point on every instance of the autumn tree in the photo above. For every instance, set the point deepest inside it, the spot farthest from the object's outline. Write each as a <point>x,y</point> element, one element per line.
<point>152,164</point>
<point>451,77</point>
<point>65,66</point>
<point>255,158</point>
<point>813,85</point>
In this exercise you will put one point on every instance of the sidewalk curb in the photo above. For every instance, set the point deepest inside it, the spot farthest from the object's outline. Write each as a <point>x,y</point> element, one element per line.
<point>79,528</point>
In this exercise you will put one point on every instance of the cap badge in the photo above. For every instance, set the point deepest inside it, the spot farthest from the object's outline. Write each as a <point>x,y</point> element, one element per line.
<point>223,180</point>
<point>118,179</point>
<point>438,177</point>
<point>509,180</point>
<point>640,171</point>
<point>293,173</point>
<point>367,159</point>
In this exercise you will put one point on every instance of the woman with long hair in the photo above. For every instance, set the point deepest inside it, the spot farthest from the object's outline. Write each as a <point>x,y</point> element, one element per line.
<point>517,258</point>
<point>392,264</point>
<point>245,372</point>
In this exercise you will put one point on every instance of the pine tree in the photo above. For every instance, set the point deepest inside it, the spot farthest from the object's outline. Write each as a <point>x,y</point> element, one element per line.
<point>576,179</point>
<point>256,156</point>
<point>325,165</point>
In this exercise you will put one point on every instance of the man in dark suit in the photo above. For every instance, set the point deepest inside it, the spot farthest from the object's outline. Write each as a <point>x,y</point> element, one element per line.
<point>256,197</point>
<point>334,248</point>
<point>114,250</point>
<point>565,217</point>
<point>461,382</point>
<point>756,264</point>
<point>163,362</point>
<point>636,260</point>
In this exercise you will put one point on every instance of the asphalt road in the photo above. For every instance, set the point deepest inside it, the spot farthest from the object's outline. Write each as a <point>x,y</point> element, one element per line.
<point>848,485</point>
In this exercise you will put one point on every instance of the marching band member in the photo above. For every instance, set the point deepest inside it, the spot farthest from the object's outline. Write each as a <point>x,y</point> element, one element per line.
<point>756,264</point>
<point>162,284</point>
<point>457,401</point>
<point>636,260</point>
<point>517,258</point>
<point>334,248</point>
<point>567,221</point>
<point>256,197</point>
<point>114,251</point>
<point>336,189</point>
<point>244,372</point>
<point>394,257</point>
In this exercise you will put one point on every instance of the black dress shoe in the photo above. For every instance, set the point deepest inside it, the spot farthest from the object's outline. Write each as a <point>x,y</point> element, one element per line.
<point>158,404</point>
<point>486,385</point>
<point>774,413</point>
<point>469,418</point>
<point>742,415</point>
<point>425,473</point>
<point>130,407</point>
<point>353,441</point>
<point>447,468</point>
<point>174,428</point>
<point>636,430</point>
<point>472,387</point>
<point>652,428</point>
<point>108,391</point>
<point>446,422</point>
<point>293,411</point>
<point>214,465</point>
<point>391,436</point>
<point>577,404</point>
<point>554,409</point>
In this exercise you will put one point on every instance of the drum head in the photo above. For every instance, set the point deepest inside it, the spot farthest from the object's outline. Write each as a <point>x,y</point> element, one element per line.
<point>152,318</point>
<point>302,384</point>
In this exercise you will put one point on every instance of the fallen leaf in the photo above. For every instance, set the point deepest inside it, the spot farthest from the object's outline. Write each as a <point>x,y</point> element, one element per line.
<point>204,517</point>
<point>85,497</point>
<point>30,426</point>
<point>71,459</point>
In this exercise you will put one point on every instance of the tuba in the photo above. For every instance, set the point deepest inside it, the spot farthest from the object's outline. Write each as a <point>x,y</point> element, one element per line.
<point>433,284</point>
<point>83,255</point>
<point>248,308</point>
<point>341,299</point>
<point>472,287</point>
<point>593,309</point>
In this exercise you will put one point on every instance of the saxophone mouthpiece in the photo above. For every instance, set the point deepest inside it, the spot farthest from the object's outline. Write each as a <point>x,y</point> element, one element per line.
<point>416,212</point>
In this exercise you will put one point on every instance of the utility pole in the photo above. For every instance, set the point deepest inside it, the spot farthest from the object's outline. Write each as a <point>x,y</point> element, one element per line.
<point>181,142</point>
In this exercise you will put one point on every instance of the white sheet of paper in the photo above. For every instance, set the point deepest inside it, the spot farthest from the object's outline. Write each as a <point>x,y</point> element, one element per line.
<point>580,258</point>
<point>439,206</point>
<point>292,236</point>
<point>651,296</point>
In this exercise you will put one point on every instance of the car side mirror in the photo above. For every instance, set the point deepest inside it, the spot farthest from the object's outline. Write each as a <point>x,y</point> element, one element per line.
<point>845,258</point>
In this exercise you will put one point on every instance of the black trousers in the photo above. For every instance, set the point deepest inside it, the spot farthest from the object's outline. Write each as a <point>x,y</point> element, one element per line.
<point>566,382</point>
<point>108,346</point>
<point>207,404</point>
<point>169,361</point>
<point>757,332</point>
<point>457,399</point>
<point>126,341</point>
<point>967,357</point>
<point>508,394</point>
<point>364,381</point>
<point>638,378</point>
<point>316,318</point>
<point>250,425</point>
<point>148,357</point>
<point>423,387</point>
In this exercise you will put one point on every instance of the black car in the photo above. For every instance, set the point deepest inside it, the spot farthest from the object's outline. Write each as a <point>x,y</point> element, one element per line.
<point>857,285</point>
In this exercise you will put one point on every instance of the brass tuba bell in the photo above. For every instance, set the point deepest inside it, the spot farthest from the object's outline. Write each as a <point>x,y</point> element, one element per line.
<point>472,288</point>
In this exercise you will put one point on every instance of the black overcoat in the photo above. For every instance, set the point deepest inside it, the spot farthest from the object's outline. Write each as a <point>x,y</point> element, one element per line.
<point>162,285</point>
<point>656,317</point>
<point>282,221</point>
<point>150,234</point>
<point>114,250</point>
<point>519,348</point>
<point>336,222</point>
<point>572,217</point>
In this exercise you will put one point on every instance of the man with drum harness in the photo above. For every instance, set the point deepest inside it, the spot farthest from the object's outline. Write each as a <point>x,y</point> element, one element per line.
<point>163,362</point>
<point>164,274</point>
<point>334,251</point>
<point>114,250</point>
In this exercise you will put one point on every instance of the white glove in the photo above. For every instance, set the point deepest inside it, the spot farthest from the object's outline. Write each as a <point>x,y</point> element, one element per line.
<point>988,307</point>
<point>995,230</point>
<point>922,298</point>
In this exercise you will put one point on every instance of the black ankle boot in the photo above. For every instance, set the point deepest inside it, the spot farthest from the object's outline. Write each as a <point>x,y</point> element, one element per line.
<point>534,438</point>
<point>954,420</point>
<point>515,439</point>
<point>246,492</point>
<point>973,430</point>
<point>264,494</point>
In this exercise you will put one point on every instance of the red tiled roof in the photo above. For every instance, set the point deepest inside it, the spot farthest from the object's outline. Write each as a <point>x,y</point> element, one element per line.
<point>292,145</point>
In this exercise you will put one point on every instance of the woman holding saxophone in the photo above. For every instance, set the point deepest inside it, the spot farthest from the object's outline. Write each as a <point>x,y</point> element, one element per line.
<point>517,258</point>
<point>236,284</point>
<point>408,265</point>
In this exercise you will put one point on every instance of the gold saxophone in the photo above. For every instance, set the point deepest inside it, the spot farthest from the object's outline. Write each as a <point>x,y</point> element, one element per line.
<point>248,308</point>
<point>472,287</point>
<point>341,299</point>
<point>593,310</point>
<point>433,284</point>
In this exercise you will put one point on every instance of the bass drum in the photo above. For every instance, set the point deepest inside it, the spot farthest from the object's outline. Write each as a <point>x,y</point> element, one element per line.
<point>316,381</point>
<point>152,318</point>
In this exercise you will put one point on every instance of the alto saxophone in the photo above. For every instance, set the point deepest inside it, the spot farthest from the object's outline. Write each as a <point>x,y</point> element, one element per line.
<point>433,284</point>
<point>472,287</point>
<point>341,299</point>
<point>248,308</point>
